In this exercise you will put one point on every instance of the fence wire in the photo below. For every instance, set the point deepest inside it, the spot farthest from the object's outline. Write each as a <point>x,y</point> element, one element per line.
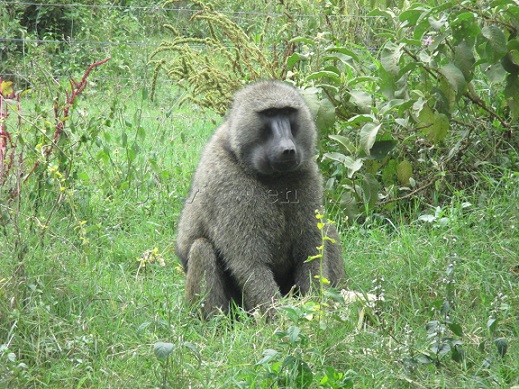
<point>150,18</point>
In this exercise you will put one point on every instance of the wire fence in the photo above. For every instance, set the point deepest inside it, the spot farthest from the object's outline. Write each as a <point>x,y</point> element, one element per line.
<point>129,35</point>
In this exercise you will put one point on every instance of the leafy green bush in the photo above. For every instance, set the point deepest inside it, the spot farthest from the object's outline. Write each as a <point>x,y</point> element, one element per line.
<point>38,160</point>
<point>434,104</point>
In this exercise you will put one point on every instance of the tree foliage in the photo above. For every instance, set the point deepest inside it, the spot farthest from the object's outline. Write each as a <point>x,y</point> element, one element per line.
<point>435,103</point>
<point>418,113</point>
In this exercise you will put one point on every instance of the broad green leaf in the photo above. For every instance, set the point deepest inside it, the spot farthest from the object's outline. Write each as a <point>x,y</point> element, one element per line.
<point>345,142</point>
<point>370,188</point>
<point>421,26</point>
<point>455,78</point>
<point>291,362</point>
<point>368,134</point>
<point>441,349</point>
<point>491,324</point>
<point>141,132</point>
<point>465,27</point>
<point>404,172</point>
<point>464,59</point>
<point>381,148</point>
<point>437,24</point>
<point>424,113</point>
<point>356,80</point>
<point>424,359</point>
<point>268,356</point>
<point>292,60</point>
<point>432,326</point>
<point>324,74</point>
<point>513,44</point>
<point>401,85</point>
<point>84,176</point>
<point>293,334</point>
<point>435,124</point>
<point>334,294</point>
<point>390,57</point>
<point>303,374</point>
<point>311,97</point>
<point>458,353</point>
<point>360,119</point>
<point>510,62</point>
<point>494,72</point>
<point>496,48</point>
<point>345,59</point>
<point>427,218</point>
<point>332,69</point>
<point>346,54</point>
<point>338,157</point>
<point>329,87</point>
<point>439,128</point>
<point>325,116</point>
<point>390,104</point>
<point>462,17</point>
<point>389,172</point>
<point>362,100</point>
<point>443,6</point>
<point>411,15</point>
<point>353,165</point>
<point>162,350</point>
<point>411,42</point>
<point>349,204</point>
<point>382,13</point>
<point>444,97</point>
<point>513,10</point>
<point>456,329</point>
<point>11,357</point>
<point>293,313</point>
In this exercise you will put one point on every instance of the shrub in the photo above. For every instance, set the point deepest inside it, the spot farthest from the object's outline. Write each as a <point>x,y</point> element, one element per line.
<point>421,116</point>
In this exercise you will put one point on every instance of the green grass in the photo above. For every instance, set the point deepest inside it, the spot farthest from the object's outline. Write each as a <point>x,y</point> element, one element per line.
<point>76,310</point>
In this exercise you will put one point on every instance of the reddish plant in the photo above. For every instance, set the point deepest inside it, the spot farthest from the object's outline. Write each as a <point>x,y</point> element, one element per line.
<point>61,113</point>
<point>7,96</point>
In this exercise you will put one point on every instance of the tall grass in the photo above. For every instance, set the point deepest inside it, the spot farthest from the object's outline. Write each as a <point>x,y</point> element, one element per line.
<point>91,294</point>
<point>89,304</point>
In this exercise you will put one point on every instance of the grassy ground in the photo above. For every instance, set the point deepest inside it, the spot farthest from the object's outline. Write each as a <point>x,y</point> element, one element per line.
<point>79,309</point>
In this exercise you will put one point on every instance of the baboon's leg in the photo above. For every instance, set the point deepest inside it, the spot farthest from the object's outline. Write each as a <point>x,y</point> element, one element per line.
<point>205,280</point>
<point>333,257</point>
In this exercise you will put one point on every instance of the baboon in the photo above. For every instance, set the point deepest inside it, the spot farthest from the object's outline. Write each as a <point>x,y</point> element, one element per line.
<point>248,225</point>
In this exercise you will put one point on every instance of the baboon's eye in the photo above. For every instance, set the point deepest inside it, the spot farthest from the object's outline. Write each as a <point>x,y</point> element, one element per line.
<point>270,112</point>
<point>294,127</point>
<point>265,132</point>
<point>284,111</point>
<point>287,111</point>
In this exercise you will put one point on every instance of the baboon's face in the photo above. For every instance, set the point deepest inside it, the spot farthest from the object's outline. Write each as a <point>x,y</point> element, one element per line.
<point>276,150</point>
<point>272,131</point>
